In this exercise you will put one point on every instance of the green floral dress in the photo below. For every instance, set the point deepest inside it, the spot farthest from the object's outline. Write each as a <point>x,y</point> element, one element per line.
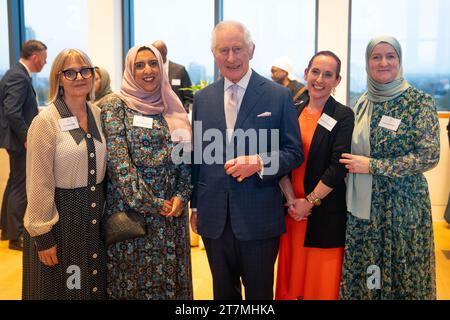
<point>141,175</point>
<point>391,256</point>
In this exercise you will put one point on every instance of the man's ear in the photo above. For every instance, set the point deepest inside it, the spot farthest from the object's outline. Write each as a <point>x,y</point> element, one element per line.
<point>252,52</point>
<point>34,59</point>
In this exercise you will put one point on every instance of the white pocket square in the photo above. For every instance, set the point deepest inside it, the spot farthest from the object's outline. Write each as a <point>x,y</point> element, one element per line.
<point>264,114</point>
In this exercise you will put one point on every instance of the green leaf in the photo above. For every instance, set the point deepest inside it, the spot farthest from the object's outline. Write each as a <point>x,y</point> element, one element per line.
<point>196,87</point>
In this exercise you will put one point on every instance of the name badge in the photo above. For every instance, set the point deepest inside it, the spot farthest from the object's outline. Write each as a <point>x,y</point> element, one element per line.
<point>390,123</point>
<point>67,124</point>
<point>143,122</point>
<point>327,122</point>
<point>176,82</point>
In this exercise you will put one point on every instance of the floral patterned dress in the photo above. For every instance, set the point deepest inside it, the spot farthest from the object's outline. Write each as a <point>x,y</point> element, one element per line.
<point>141,175</point>
<point>391,256</point>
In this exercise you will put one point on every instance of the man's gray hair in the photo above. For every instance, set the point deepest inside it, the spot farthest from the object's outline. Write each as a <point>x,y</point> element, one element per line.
<point>228,23</point>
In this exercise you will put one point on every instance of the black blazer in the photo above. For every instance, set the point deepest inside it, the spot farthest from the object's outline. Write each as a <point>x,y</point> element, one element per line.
<point>178,73</point>
<point>326,224</point>
<point>18,107</point>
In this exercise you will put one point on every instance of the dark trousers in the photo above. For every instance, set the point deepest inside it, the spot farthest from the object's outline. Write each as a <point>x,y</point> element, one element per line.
<point>14,198</point>
<point>231,259</point>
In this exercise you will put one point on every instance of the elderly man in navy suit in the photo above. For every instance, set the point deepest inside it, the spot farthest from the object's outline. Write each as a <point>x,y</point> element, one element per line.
<point>18,107</point>
<point>237,203</point>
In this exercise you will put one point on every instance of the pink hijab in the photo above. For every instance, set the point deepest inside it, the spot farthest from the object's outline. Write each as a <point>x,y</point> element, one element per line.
<point>163,101</point>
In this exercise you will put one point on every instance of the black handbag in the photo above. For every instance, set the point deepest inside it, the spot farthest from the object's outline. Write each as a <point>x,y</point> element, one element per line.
<point>122,226</point>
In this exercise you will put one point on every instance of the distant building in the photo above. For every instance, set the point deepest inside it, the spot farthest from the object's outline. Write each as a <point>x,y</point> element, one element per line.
<point>197,72</point>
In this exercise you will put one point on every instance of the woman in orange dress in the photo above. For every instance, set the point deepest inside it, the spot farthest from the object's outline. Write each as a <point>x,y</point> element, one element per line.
<point>311,250</point>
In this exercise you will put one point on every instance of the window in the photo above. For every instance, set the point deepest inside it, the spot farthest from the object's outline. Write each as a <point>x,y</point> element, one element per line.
<point>185,27</point>
<point>68,29</point>
<point>422,28</point>
<point>286,28</point>
<point>4,39</point>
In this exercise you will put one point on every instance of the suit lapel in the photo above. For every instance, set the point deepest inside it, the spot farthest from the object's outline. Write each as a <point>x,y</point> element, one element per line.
<point>22,68</point>
<point>27,75</point>
<point>218,113</point>
<point>34,91</point>
<point>251,97</point>
<point>24,71</point>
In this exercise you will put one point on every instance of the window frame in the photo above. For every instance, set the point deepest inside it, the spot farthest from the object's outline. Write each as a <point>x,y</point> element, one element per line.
<point>16,29</point>
<point>128,25</point>
<point>441,113</point>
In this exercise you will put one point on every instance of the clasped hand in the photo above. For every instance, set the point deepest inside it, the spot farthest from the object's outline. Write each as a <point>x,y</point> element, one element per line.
<point>299,209</point>
<point>48,257</point>
<point>355,164</point>
<point>243,167</point>
<point>172,207</point>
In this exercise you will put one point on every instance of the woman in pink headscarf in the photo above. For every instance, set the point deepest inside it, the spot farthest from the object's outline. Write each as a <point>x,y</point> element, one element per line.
<point>143,123</point>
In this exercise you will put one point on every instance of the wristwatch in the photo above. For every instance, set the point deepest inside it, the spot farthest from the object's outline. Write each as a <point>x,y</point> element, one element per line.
<point>316,201</point>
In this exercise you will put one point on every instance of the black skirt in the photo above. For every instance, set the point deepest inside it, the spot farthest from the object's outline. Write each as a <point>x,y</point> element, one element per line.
<point>81,271</point>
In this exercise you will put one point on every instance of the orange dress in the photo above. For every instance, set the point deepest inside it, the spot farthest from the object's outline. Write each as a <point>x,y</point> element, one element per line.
<point>306,273</point>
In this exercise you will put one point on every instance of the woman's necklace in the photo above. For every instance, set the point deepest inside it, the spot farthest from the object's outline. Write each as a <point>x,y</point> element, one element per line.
<point>309,113</point>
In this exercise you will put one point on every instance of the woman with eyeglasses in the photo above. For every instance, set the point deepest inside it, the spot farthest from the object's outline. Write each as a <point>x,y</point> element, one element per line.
<point>66,157</point>
<point>143,124</point>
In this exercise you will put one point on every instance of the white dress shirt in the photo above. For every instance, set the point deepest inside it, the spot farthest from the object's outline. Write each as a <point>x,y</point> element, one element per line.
<point>242,87</point>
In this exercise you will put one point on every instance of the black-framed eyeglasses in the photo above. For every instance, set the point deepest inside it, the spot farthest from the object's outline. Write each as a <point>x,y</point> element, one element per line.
<point>71,74</point>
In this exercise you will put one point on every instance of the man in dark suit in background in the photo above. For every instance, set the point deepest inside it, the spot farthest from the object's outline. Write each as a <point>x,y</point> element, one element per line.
<point>237,207</point>
<point>18,107</point>
<point>178,76</point>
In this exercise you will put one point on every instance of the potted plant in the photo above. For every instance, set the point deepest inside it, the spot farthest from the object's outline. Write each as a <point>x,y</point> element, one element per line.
<point>196,87</point>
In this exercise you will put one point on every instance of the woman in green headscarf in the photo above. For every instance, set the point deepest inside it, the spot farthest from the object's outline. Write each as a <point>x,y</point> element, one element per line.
<point>389,239</point>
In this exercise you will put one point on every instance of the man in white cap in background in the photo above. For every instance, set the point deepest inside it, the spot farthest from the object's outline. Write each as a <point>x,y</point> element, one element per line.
<point>282,74</point>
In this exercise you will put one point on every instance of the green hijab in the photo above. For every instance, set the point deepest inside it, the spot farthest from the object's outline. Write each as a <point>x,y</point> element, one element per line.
<point>359,186</point>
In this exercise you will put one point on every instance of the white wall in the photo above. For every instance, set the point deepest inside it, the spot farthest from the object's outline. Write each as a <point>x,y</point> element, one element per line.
<point>333,34</point>
<point>439,178</point>
<point>105,37</point>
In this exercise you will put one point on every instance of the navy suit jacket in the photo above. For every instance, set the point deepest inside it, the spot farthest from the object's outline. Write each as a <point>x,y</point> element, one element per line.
<point>255,205</point>
<point>178,72</point>
<point>18,107</point>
